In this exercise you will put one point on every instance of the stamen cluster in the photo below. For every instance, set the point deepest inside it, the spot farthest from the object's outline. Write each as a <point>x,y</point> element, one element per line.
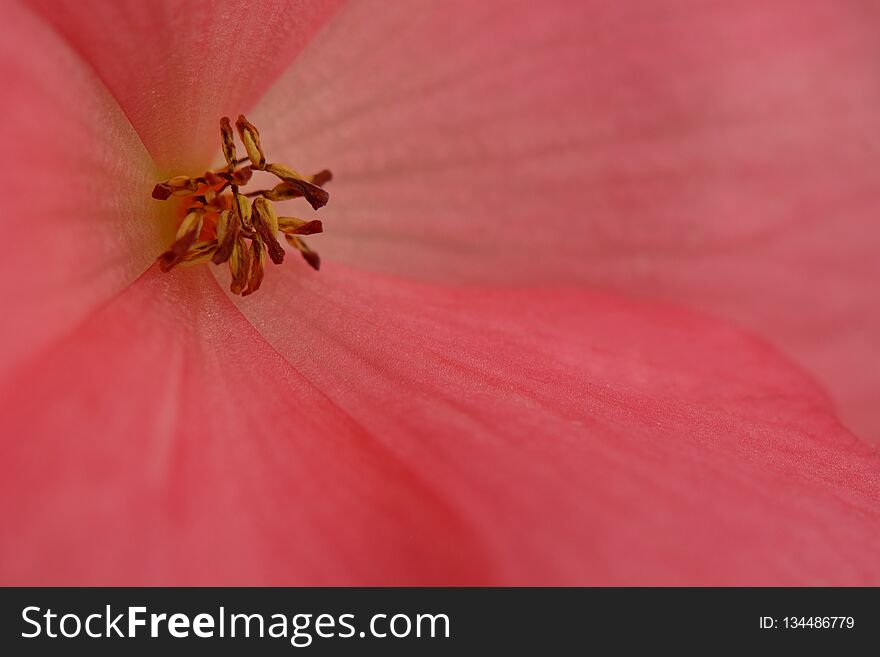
<point>238,228</point>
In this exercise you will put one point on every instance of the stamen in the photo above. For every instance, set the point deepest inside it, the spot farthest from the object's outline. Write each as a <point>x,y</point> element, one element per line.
<point>192,223</point>
<point>199,252</point>
<point>186,235</point>
<point>294,226</point>
<point>284,191</point>
<point>250,137</point>
<point>228,142</point>
<point>177,186</point>
<point>310,256</point>
<point>222,225</point>
<point>266,223</point>
<point>220,218</point>
<point>242,207</point>
<point>316,196</point>
<point>322,177</point>
<point>227,234</point>
<point>242,176</point>
<point>239,266</point>
<point>258,266</point>
<point>212,179</point>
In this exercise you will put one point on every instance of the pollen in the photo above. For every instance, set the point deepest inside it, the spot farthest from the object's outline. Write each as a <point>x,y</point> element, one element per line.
<point>224,224</point>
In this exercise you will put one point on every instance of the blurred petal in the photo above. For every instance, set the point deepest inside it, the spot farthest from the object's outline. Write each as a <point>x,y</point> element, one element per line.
<point>164,442</point>
<point>587,439</point>
<point>470,436</point>
<point>77,216</point>
<point>177,67</point>
<point>719,154</point>
<point>454,130</point>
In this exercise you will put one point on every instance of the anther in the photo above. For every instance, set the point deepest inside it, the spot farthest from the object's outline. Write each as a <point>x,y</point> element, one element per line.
<point>266,224</point>
<point>227,142</point>
<point>310,256</point>
<point>222,225</point>
<point>242,176</point>
<point>199,252</point>
<point>322,177</point>
<point>192,223</point>
<point>316,196</point>
<point>228,227</point>
<point>294,226</point>
<point>177,186</point>
<point>258,267</point>
<point>186,235</point>
<point>239,266</point>
<point>250,137</point>
<point>242,207</point>
<point>212,179</point>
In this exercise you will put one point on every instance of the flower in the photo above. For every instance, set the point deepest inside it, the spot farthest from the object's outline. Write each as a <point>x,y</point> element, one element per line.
<point>447,401</point>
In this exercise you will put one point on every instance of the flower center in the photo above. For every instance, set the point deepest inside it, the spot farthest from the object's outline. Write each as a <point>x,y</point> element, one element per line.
<point>225,225</point>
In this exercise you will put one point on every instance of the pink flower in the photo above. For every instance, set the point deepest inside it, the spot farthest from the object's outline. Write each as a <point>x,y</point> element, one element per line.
<point>448,400</point>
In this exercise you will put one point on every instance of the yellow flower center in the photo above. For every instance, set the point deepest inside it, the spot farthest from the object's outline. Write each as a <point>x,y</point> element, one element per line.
<point>223,224</point>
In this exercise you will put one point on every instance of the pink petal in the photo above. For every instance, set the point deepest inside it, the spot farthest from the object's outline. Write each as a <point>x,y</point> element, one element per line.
<point>165,442</point>
<point>77,219</point>
<point>718,154</point>
<point>468,435</point>
<point>590,439</point>
<point>176,68</point>
<point>454,131</point>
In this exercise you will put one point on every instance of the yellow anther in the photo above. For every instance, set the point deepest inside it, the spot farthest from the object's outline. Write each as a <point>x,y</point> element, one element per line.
<point>282,192</point>
<point>250,137</point>
<point>266,225</point>
<point>242,206</point>
<point>187,234</point>
<point>192,221</point>
<point>177,186</point>
<point>227,140</point>
<point>245,232</point>
<point>266,212</point>
<point>316,196</point>
<point>181,185</point>
<point>239,266</point>
<point>230,226</point>
<point>222,225</point>
<point>258,267</point>
<point>294,226</point>
<point>199,252</point>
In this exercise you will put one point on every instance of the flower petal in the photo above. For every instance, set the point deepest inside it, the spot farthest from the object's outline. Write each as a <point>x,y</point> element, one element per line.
<point>588,439</point>
<point>722,155</point>
<point>454,131</point>
<point>472,436</point>
<point>77,216</point>
<point>164,442</point>
<point>176,68</point>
